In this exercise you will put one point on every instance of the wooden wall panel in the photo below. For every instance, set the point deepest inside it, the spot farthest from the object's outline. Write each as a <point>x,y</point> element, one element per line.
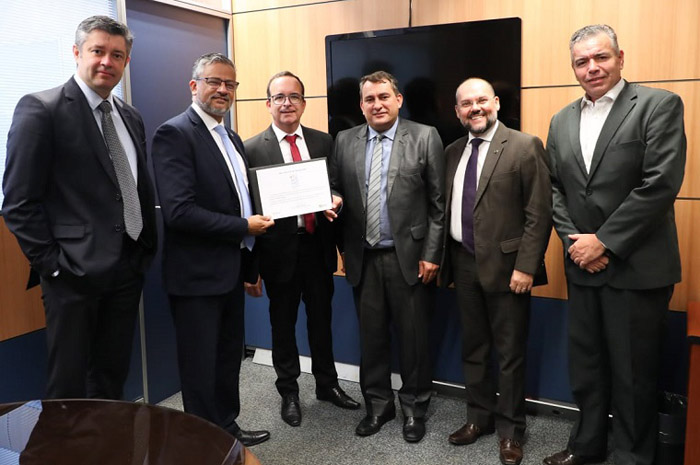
<point>242,6</point>
<point>266,42</point>
<point>253,116</point>
<point>660,39</point>
<point>21,311</point>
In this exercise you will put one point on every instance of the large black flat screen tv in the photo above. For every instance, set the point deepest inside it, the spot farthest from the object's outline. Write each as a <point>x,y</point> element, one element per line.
<point>429,63</point>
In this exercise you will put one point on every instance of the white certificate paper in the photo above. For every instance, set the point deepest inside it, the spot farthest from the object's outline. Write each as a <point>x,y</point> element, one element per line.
<point>292,189</point>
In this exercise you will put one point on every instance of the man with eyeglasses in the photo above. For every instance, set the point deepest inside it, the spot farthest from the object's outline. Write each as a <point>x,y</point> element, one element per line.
<point>297,256</point>
<point>200,169</point>
<point>79,199</point>
<point>499,217</point>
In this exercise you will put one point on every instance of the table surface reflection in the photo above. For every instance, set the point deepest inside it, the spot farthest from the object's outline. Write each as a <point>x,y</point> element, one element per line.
<point>93,432</point>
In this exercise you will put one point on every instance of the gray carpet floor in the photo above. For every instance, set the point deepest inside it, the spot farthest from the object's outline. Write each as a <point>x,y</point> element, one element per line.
<point>327,434</point>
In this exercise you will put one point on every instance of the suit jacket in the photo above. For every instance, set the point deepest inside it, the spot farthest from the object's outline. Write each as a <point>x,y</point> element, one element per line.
<point>627,198</point>
<point>512,209</point>
<point>62,198</point>
<point>277,249</point>
<point>415,197</point>
<point>202,214</point>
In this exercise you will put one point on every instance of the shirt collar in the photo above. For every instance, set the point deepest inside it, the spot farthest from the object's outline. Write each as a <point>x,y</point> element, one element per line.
<point>389,133</point>
<point>487,136</point>
<point>280,134</point>
<point>207,119</point>
<point>91,96</point>
<point>611,95</point>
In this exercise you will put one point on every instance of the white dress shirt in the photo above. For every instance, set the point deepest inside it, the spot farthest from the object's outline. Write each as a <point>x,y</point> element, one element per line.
<point>593,116</point>
<point>286,149</point>
<point>458,182</point>
<point>94,100</point>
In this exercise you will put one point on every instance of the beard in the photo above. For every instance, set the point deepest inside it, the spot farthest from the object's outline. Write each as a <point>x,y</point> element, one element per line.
<point>490,121</point>
<point>213,110</point>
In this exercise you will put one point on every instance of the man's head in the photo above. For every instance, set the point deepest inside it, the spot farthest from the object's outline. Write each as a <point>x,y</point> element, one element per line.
<point>213,84</point>
<point>477,105</point>
<point>285,100</point>
<point>596,59</point>
<point>380,100</point>
<point>101,51</point>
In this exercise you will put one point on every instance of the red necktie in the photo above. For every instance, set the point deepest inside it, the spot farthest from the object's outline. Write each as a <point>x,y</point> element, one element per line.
<point>296,156</point>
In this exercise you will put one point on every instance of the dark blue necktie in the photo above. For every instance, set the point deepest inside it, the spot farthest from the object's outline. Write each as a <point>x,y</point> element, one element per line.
<point>468,196</point>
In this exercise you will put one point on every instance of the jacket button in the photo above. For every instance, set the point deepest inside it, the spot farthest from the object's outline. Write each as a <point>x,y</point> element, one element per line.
<point>117,197</point>
<point>118,228</point>
<point>589,191</point>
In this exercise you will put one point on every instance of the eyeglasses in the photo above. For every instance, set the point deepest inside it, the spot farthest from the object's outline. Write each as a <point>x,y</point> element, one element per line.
<point>294,99</point>
<point>466,104</point>
<point>215,83</point>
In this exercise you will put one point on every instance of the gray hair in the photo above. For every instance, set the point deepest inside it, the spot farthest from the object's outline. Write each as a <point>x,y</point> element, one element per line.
<point>380,76</point>
<point>103,23</point>
<point>593,30</point>
<point>208,59</point>
<point>284,74</point>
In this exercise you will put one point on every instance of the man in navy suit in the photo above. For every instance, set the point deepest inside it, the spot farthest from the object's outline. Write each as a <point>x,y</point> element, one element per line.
<point>79,200</point>
<point>200,169</point>
<point>618,158</point>
<point>297,256</point>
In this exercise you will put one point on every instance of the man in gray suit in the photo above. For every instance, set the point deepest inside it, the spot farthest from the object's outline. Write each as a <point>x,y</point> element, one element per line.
<point>499,212</point>
<point>618,157</point>
<point>297,255</point>
<point>388,176</point>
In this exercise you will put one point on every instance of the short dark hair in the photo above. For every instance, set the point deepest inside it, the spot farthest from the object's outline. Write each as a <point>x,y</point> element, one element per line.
<point>103,23</point>
<point>380,76</point>
<point>283,74</point>
<point>207,59</point>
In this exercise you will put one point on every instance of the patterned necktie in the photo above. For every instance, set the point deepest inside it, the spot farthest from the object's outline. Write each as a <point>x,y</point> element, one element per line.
<point>468,197</point>
<point>372,232</point>
<point>133,221</point>
<point>309,221</point>
<point>246,207</point>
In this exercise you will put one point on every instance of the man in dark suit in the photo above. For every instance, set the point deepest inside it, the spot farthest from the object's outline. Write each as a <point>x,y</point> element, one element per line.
<point>499,217</point>
<point>200,169</point>
<point>618,158</point>
<point>79,199</point>
<point>388,177</point>
<point>297,256</point>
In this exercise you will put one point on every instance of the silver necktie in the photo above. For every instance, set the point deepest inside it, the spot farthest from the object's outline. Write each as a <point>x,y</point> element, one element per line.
<point>374,206</point>
<point>133,221</point>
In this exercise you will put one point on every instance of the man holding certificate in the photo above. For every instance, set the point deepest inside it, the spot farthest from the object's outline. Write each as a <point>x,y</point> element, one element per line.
<point>297,256</point>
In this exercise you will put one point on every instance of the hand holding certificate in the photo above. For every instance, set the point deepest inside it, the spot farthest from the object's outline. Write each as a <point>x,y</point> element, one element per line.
<point>291,189</point>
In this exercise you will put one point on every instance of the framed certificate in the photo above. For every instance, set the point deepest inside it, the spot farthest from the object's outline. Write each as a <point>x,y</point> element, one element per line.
<point>291,189</point>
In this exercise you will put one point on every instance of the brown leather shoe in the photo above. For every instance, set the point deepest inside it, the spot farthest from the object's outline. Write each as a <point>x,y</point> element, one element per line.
<point>467,434</point>
<point>566,457</point>
<point>511,452</point>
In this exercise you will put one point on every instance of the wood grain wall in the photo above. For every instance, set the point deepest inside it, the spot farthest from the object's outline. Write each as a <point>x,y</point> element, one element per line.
<point>661,41</point>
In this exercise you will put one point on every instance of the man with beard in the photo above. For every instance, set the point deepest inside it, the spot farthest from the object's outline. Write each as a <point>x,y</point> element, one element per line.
<point>498,217</point>
<point>200,169</point>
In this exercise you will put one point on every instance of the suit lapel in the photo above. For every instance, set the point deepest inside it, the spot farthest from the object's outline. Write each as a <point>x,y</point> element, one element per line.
<point>360,148</point>
<point>624,103</point>
<point>272,148</point>
<point>574,122</point>
<point>397,153</point>
<point>496,147</point>
<point>212,149</point>
<point>311,143</point>
<point>78,105</point>
<point>131,123</point>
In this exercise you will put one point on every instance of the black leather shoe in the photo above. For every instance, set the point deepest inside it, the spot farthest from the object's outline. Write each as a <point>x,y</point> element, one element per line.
<point>338,397</point>
<point>291,410</point>
<point>251,438</point>
<point>510,451</point>
<point>371,424</point>
<point>566,457</point>
<point>413,429</point>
